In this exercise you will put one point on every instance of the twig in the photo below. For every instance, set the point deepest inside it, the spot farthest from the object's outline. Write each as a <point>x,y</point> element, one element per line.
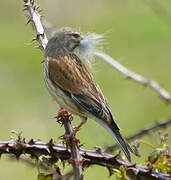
<point>37,148</point>
<point>72,143</point>
<point>35,18</point>
<point>135,77</point>
<point>142,132</point>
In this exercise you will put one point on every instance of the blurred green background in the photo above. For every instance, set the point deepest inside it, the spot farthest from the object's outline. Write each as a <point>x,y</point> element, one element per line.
<point>137,34</point>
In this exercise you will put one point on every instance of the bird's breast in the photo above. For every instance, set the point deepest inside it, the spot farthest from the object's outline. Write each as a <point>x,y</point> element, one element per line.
<point>58,95</point>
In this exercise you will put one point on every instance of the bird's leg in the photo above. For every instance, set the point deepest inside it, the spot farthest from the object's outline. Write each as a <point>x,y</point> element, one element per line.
<point>76,129</point>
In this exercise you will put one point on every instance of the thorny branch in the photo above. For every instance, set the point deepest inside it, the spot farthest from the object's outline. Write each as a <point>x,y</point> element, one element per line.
<point>142,132</point>
<point>60,152</point>
<point>35,18</point>
<point>72,143</point>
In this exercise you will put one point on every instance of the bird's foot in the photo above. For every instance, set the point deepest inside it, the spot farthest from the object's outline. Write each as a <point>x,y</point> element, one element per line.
<point>76,129</point>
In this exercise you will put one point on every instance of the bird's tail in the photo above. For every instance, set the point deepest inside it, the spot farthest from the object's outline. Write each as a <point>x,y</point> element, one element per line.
<point>112,127</point>
<point>123,144</point>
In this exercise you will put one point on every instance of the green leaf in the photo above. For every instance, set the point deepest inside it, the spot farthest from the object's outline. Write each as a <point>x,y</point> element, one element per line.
<point>42,176</point>
<point>49,177</point>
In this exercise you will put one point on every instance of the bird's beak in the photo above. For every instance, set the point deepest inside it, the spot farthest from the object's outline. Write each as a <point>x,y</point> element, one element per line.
<point>80,39</point>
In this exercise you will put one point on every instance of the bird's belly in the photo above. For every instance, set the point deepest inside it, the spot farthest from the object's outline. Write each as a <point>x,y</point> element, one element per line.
<point>61,98</point>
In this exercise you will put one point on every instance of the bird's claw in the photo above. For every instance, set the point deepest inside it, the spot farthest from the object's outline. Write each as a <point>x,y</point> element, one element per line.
<point>76,129</point>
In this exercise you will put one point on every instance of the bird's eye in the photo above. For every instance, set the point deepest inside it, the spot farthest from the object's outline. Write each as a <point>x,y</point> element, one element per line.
<point>76,35</point>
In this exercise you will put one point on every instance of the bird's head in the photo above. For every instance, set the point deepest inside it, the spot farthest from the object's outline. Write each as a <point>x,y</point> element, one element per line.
<point>64,41</point>
<point>67,40</point>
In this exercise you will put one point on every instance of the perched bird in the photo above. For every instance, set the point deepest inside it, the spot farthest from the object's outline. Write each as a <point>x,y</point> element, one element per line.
<point>73,87</point>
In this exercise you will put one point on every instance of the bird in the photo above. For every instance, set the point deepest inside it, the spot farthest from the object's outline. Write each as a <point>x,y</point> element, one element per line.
<point>70,83</point>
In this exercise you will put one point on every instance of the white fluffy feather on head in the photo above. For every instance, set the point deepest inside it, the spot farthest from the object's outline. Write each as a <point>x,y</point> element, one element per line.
<point>89,44</point>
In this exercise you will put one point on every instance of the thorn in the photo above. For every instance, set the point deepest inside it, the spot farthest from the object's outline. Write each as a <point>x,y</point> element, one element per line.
<point>99,150</point>
<point>71,117</point>
<point>32,2</point>
<point>26,5</point>
<point>63,163</point>
<point>51,141</point>
<point>110,171</point>
<point>31,142</point>
<point>7,150</point>
<point>34,8</point>
<point>39,35</point>
<point>26,1</point>
<point>80,145</point>
<point>41,63</point>
<point>17,155</point>
<point>39,11</point>
<point>149,168</point>
<point>29,21</point>
<point>49,144</point>
<point>39,47</point>
<point>48,150</point>
<point>58,170</point>
<point>37,8</point>
<point>118,155</point>
<point>34,39</point>
<point>63,137</point>
<point>25,9</point>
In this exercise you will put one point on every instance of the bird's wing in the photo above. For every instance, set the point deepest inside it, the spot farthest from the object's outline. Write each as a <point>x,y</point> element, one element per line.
<point>72,76</point>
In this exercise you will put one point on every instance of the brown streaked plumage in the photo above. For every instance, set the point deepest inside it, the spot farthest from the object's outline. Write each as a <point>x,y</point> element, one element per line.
<point>74,88</point>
